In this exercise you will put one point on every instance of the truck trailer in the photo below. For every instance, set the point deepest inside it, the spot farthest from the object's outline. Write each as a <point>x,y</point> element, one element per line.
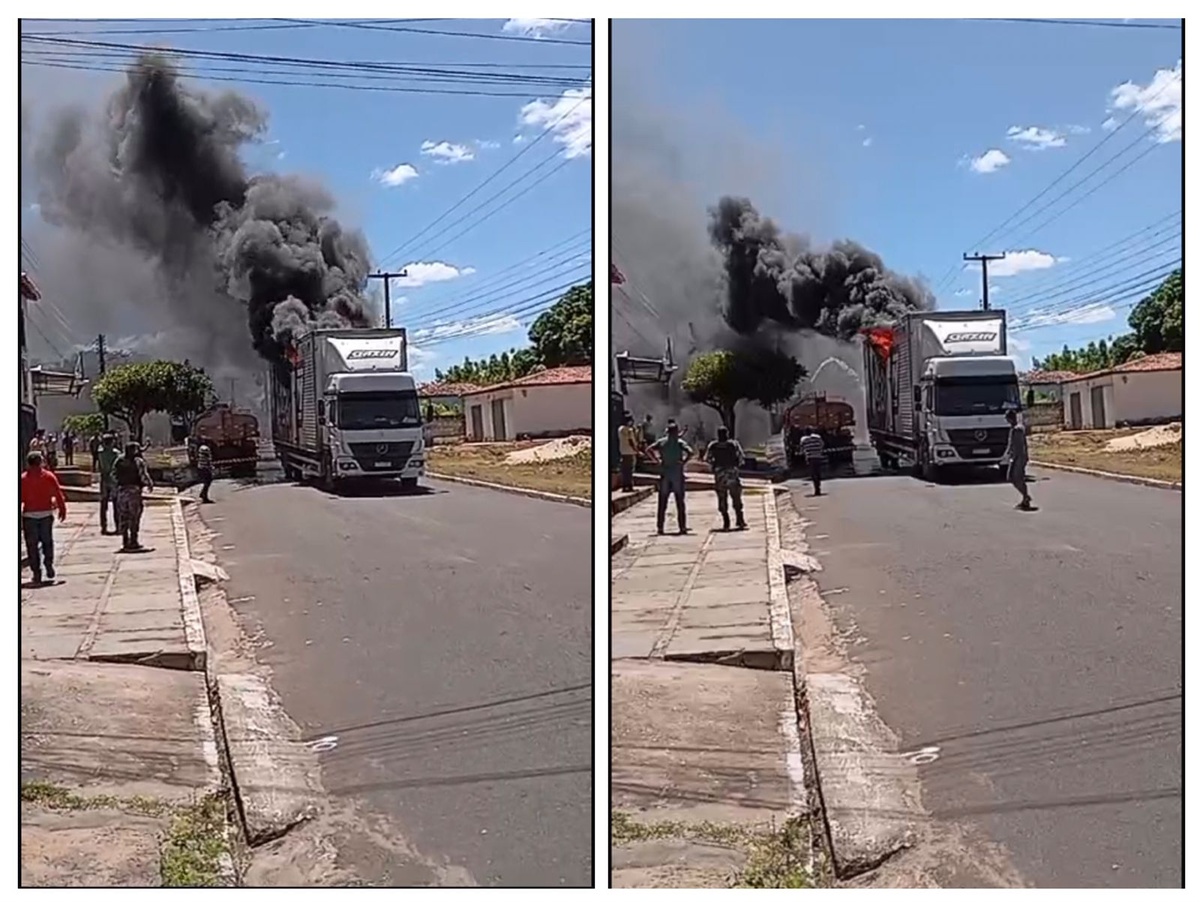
<point>232,437</point>
<point>834,421</point>
<point>344,408</point>
<point>938,386</point>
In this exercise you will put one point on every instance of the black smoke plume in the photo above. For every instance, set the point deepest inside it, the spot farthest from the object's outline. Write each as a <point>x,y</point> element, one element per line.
<point>161,172</point>
<point>778,279</point>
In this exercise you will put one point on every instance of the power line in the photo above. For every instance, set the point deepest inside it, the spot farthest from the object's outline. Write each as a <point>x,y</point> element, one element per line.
<point>447,33</point>
<point>1085,22</point>
<point>269,25</point>
<point>553,293</point>
<point>470,306</point>
<point>1138,285</point>
<point>563,246</point>
<point>997,230</point>
<point>508,203</point>
<point>524,150</point>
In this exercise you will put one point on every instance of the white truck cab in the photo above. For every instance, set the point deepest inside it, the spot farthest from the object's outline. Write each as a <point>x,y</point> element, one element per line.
<point>961,405</point>
<point>373,425</point>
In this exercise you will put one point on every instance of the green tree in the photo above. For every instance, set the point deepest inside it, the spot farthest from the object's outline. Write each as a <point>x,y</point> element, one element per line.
<point>720,379</point>
<point>131,392</point>
<point>562,336</point>
<point>84,425</point>
<point>1157,320</point>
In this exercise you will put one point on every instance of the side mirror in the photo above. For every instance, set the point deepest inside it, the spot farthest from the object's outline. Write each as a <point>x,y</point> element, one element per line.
<point>917,403</point>
<point>321,412</point>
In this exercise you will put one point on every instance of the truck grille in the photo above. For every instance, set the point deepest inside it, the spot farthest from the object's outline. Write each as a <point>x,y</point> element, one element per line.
<point>979,442</point>
<point>373,455</point>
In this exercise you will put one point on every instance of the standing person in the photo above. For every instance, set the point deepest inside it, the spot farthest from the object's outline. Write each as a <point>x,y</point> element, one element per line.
<point>672,454</point>
<point>131,477</point>
<point>726,457</point>
<point>106,460</point>
<point>204,465</point>
<point>68,443</point>
<point>38,444</point>
<point>41,497</point>
<point>627,440</point>
<point>51,451</point>
<point>1018,458</point>
<point>813,448</point>
<point>94,447</point>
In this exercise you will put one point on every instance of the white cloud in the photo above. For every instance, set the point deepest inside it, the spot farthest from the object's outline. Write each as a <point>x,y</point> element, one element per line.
<point>489,324</point>
<point>1078,129</point>
<point>418,274</point>
<point>867,142</point>
<point>487,145</point>
<point>518,139</point>
<point>421,362</point>
<point>1034,137</point>
<point>446,153</point>
<point>1160,103</point>
<point>569,118</point>
<point>396,176</point>
<point>536,28</point>
<point>1086,314</point>
<point>1109,124</point>
<point>860,127</point>
<point>965,292</point>
<point>1016,262</point>
<point>990,161</point>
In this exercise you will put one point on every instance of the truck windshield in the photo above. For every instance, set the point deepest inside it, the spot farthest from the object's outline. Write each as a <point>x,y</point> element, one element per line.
<point>378,410</point>
<point>961,396</point>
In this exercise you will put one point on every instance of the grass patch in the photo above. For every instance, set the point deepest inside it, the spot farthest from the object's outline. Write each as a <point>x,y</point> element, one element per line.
<point>778,857</point>
<point>194,843</point>
<point>486,461</point>
<point>1080,448</point>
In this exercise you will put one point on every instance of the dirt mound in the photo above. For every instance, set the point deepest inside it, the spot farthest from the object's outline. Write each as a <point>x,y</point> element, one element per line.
<point>1154,437</point>
<point>555,449</point>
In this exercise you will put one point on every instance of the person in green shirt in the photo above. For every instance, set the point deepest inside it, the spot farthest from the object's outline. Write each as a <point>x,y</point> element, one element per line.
<point>672,454</point>
<point>106,459</point>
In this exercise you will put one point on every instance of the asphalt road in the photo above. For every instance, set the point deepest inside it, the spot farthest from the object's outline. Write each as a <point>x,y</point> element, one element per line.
<point>445,639</point>
<point>1042,652</point>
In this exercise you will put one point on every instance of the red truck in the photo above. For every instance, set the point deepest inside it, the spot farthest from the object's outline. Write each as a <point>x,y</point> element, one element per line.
<point>833,420</point>
<point>231,435</point>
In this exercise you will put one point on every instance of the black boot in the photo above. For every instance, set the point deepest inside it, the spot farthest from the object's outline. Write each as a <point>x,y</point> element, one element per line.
<point>725,522</point>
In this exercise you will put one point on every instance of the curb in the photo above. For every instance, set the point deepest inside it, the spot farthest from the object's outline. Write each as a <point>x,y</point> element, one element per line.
<point>193,621</point>
<point>624,502</point>
<point>618,542</point>
<point>513,490</point>
<point>1116,477</point>
<point>783,637</point>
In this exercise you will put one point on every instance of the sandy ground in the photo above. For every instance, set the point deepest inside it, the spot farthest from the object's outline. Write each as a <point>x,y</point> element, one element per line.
<point>554,471</point>
<point>555,449</point>
<point>1151,438</point>
<point>1112,450</point>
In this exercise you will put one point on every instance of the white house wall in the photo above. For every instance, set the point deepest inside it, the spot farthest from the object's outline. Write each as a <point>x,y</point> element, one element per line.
<point>540,409</point>
<point>1084,387</point>
<point>485,401</point>
<point>1148,396</point>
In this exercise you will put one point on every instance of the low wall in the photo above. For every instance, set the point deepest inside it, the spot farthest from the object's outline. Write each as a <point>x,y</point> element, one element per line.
<point>1044,416</point>
<point>442,430</point>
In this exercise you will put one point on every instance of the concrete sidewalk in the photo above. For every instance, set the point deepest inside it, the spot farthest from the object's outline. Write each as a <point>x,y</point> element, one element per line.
<point>707,773</point>
<point>120,776</point>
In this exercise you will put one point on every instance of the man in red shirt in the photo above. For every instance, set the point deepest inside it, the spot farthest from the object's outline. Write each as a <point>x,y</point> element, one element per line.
<point>41,496</point>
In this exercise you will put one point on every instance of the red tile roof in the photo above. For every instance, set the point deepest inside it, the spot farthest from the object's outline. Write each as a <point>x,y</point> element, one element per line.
<point>560,375</point>
<point>1047,377</point>
<point>1151,363</point>
<point>1168,360</point>
<point>446,389</point>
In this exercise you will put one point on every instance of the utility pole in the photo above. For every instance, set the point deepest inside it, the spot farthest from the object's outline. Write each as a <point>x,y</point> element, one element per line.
<point>232,392</point>
<point>387,292</point>
<point>984,259</point>
<point>100,357</point>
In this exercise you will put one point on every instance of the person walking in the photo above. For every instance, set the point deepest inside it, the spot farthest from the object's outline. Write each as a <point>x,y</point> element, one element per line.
<point>50,450</point>
<point>672,454</point>
<point>627,440</point>
<point>812,446</point>
<point>204,466</point>
<point>726,457</point>
<point>94,447</point>
<point>131,477</point>
<point>106,460</point>
<point>41,498</point>
<point>1018,458</point>
<point>68,445</point>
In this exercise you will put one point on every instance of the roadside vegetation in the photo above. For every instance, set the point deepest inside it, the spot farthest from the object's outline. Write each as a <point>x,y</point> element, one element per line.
<point>1089,449</point>
<point>569,474</point>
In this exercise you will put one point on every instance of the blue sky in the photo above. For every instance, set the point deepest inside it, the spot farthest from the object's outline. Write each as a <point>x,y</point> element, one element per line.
<point>398,161</point>
<point>920,138</point>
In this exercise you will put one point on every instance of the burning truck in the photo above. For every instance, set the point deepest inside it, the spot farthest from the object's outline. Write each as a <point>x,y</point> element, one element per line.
<point>833,420</point>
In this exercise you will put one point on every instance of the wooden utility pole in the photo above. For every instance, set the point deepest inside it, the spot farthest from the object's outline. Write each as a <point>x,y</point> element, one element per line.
<point>387,292</point>
<point>984,259</point>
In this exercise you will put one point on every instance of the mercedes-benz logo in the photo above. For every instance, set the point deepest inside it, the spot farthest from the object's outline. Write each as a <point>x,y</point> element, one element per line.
<point>381,449</point>
<point>980,434</point>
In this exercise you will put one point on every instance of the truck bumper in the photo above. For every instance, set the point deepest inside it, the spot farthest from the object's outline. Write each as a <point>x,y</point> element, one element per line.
<point>947,455</point>
<point>349,468</point>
